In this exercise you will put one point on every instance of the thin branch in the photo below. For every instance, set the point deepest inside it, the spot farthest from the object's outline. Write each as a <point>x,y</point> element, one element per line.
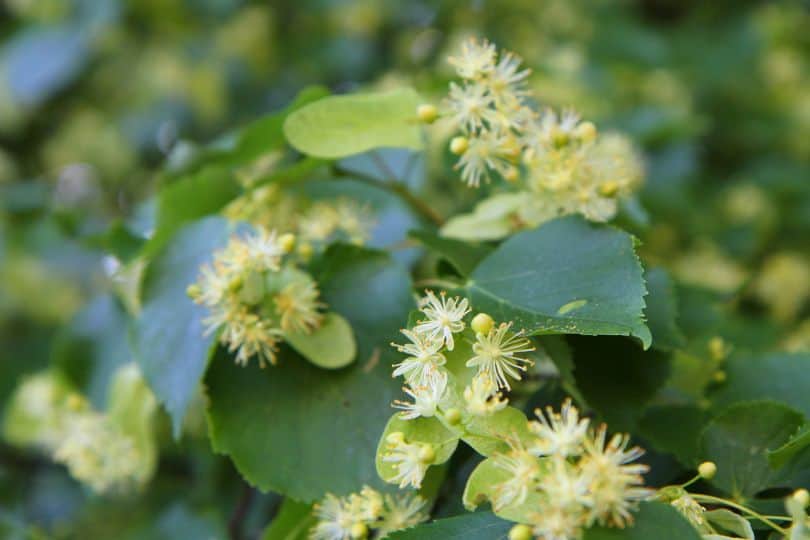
<point>240,512</point>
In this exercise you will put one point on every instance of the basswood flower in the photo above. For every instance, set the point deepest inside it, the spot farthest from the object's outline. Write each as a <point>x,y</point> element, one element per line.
<point>616,483</point>
<point>335,519</point>
<point>482,396</point>
<point>476,59</point>
<point>423,360</point>
<point>402,511</point>
<point>411,460</point>
<point>445,317</point>
<point>297,303</point>
<point>524,473</point>
<point>496,354</point>
<point>560,433</point>
<point>425,398</point>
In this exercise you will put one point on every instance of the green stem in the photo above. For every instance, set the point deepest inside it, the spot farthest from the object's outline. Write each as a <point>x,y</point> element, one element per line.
<point>398,189</point>
<point>741,508</point>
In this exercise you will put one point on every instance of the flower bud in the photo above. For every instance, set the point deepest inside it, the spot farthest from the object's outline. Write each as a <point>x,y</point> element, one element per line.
<point>609,188</point>
<point>427,454</point>
<point>359,530</point>
<point>287,242</point>
<point>453,416</point>
<point>193,291</point>
<point>585,132</point>
<point>427,113</point>
<point>305,250</point>
<point>511,174</point>
<point>717,348</point>
<point>482,323</point>
<point>802,497</point>
<point>459,145</point>
<point>719,376</point>
<point>520,532</point>
<point>707,470</point>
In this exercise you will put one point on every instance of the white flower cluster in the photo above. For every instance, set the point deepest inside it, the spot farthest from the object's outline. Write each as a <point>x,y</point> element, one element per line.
<point>494,355</point>
<point>367,514</point>
<point>254,296</point>
<point>560,164</point>
<point>571,476</point>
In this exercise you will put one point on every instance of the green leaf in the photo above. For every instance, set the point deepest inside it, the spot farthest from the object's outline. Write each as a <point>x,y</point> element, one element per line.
<point>339,126</point>
<point>463,256</point>
<point>300,430</point>
<point>482,486</point>
<point>491,219</point>
<point>566,276</point>
<point>189,198</point>
<point>653,521</point>
<point>421,430</point>
<point>778,376</point>
<point>330,346</point>
<point>656,426</point>
<point>618,378</point>
<point>728,521</point>
<point>168,335</point>
<point>292,522</point>
<point>478,526</point>
<point>486,433</point>
<point>738,440</point>
<point>662,311</point>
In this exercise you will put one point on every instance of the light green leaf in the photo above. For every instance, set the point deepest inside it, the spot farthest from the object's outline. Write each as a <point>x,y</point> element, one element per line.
<point>168,337</point>
<point>566,276</point>
<point>728,521</point>
<point>482,486</point>
<point>492,219</point>
<point>339,126</point>
<point>330,346</point>
<point>419,430</point>
<point>300,430</point>
<point>463,256</point>
<point>799,444</point>
<point>486,433</point>
<point>478,526</point>
<point>738,441</point>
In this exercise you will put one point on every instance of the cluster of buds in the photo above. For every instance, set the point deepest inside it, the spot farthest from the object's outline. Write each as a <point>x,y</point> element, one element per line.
<point>367,514</point>
<point>569,477</point>
<point>256,295</point>
<point>561,164</point>
<point>482,367</point>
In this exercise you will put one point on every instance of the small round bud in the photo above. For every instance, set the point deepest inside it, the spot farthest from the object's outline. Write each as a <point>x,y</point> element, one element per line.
<point>520,532</point>
<point>482,323</point>
<point>707,470</point>
<point>193,291</point>
<point>235,284</point>
<point>453,416</point>
<point>305,250</point>
<point>459,145</point>
<point>609,188</point>
<point>427,454</point>
<point>287,242</point>
<point>427,113</point>
<point>801,496</point>
<point>511,174</point>
<point>359,530</point>
<point>560,138</point>
<point>585,132</point>
<point>717,348</point>
<point>75,402</point>
<point>396,437</point>
<point>719,376</point>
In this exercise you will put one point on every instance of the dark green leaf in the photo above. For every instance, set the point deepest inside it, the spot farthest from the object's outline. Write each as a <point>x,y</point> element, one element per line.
<point>566,276</point>
<point>657,427</point>
<point>653,521</point>
<point>168,335</point>
<point>662,311</point>
<point>798,445</point>
<point>738,440</point>
<point>478,526</point>
<point>778,376</point>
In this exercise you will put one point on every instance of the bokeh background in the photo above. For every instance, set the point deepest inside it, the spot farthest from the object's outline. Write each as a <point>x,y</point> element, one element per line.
<point>99,98</point>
